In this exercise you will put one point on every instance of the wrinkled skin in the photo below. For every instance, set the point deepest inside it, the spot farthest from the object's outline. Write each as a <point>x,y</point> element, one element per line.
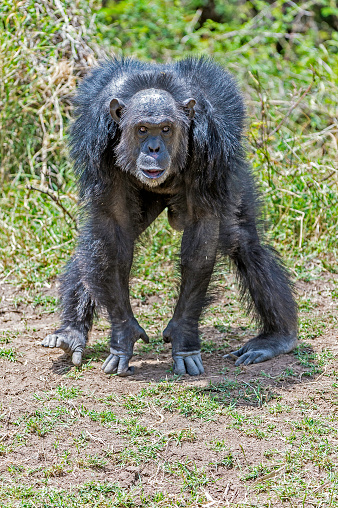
<point>259,349</point>
<point>177,150</point>
<point>70,340</point>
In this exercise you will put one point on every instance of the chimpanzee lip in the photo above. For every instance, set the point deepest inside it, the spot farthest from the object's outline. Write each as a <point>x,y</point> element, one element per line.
<point>153,173</point>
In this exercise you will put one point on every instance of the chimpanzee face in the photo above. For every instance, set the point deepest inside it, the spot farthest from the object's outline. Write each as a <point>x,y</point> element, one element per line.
<point>154,134</point>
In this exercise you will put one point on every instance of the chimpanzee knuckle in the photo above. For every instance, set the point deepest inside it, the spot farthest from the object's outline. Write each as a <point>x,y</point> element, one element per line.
<point>129,371</point>
<point>77,358</point>
<point>198,361</point>
<point>191,366</point>
<point>110,365</point>
<point>179,366</point>
<point>107,360</point>
<point>123,364</point>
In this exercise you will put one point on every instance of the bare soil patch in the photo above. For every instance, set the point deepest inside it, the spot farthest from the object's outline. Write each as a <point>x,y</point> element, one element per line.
<point>152,432</point>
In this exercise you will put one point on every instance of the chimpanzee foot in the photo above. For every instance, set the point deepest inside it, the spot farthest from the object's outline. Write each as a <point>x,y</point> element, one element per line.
<point>124,336</point>
<point>69,339</point>
<point>188,363</point>
<point>264,347</point>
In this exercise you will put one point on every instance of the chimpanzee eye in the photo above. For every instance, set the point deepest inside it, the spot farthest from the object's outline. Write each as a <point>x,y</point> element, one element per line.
<point>166,129</point>
<point>143,130</point>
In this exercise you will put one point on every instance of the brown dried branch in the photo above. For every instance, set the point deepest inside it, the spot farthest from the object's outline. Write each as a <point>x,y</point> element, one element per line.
<point>292,107</point>
<point>56,200</point>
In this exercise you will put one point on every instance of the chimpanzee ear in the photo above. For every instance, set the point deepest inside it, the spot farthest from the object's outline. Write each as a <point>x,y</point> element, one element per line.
<point>116,108</point>
<point>189,105</point>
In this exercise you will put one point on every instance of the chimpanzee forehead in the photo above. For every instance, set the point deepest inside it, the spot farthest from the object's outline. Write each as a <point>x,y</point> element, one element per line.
<point>153,103</point>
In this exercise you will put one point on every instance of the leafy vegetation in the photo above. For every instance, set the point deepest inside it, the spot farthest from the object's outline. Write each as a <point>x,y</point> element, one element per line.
<point>285,58</point>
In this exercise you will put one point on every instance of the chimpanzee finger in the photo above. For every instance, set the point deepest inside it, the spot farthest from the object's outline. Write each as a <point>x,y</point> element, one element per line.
<point>111,363</point>
<point>198,361</point>
<point>77,358</point>
<point>122,369</point>
<point>191,366</point>
<point>179,367</point>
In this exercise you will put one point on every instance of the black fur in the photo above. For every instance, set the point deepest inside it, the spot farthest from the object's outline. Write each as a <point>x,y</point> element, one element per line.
<point>207,188</point>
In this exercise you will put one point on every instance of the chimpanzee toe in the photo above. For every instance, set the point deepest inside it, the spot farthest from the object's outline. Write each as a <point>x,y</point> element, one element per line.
<point>70,340</point>
<point>251,356</point>
<point>254,357</point>
<point>50,340</point>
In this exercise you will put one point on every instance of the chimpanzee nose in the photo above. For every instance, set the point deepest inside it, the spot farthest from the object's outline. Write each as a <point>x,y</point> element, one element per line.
<point>154,146</point>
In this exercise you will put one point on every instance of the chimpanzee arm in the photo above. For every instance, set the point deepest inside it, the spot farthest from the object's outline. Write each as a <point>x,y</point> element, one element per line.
<point>100,268</point>
<point>99,275</point>
<point>109,278</point>
<point>198,253</point>
<point>125,328</point>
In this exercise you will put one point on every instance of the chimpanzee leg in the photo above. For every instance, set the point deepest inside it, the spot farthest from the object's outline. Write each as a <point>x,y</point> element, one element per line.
<point>198,253</point>
<point>264,280</point>
<point>77,315</point>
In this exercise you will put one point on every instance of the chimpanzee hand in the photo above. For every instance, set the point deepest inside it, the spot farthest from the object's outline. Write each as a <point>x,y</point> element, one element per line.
<point>185,347</point>
<point>122,344</point>
<point>264,347</point>
<point>69,339</point>
<point>188,363</point>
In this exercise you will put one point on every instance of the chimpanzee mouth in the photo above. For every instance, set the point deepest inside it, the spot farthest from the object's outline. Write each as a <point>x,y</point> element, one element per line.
<point>153,173</point>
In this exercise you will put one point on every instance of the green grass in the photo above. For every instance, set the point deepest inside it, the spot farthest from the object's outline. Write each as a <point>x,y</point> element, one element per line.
<point>298,438</point>
<point>293,153</point>
<point>8,353</point>
<point>294,164</point>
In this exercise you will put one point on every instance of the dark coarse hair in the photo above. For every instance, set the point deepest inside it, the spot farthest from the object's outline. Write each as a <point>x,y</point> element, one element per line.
<point>215,137</point>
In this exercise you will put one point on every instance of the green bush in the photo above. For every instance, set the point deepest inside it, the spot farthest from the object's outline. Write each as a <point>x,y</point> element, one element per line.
<point>284,55</point>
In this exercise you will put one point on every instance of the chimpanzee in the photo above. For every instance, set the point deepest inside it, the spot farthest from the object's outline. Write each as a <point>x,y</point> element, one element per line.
<point>149,137</point>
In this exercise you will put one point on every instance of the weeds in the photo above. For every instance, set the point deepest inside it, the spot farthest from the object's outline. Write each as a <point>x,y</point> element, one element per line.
<point>146,438</point>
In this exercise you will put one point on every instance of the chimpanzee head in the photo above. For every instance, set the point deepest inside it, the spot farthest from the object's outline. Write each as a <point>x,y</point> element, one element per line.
<point>154,134</point>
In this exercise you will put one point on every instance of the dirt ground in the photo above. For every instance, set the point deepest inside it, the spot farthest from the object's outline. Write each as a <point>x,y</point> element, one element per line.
<point>151,432</point>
